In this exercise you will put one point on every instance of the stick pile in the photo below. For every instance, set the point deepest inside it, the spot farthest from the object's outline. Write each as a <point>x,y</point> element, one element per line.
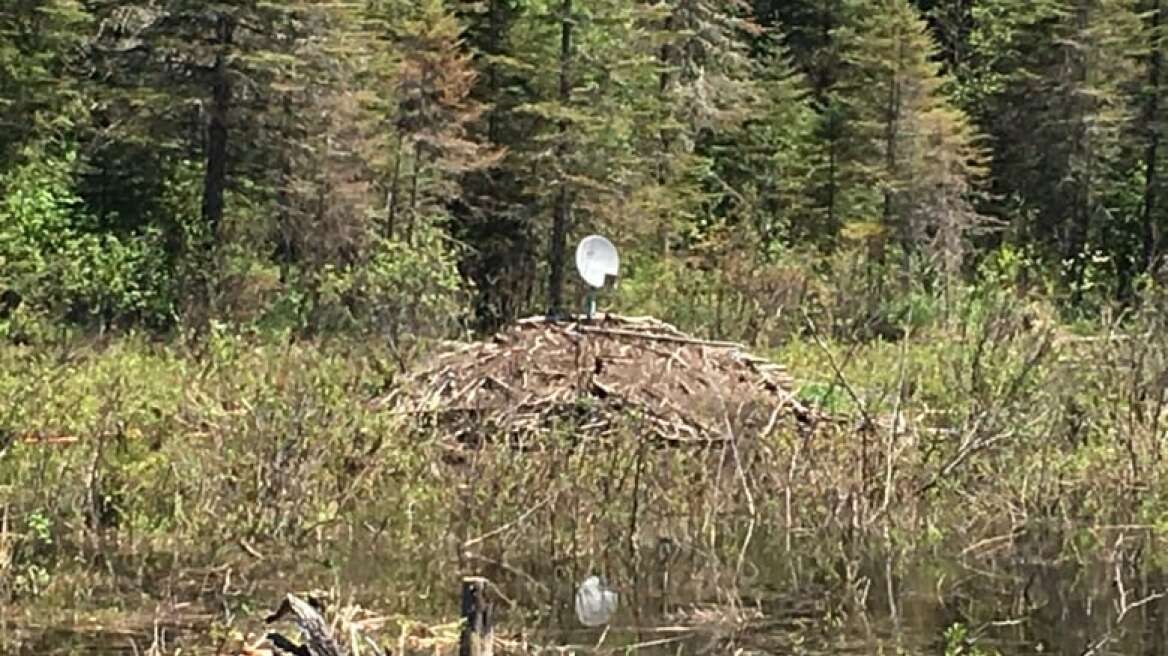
<point>595,377</point>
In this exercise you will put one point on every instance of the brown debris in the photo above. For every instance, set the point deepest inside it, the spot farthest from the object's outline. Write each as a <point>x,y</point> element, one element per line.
<point>596,374</point>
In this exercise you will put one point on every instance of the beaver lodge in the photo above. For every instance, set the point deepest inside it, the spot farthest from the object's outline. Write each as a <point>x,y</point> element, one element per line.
<point>598,377</point>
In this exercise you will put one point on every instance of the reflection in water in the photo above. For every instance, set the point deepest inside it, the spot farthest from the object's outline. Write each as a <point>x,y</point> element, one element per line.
<point>1012,604</point>
<point>1015,605</point>
<point>154,639</point>
<point>595,603</point>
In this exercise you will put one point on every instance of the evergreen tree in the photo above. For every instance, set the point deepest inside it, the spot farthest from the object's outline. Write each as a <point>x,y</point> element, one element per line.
<point>299,148</point>
<point>807,27</point>
<point>199,78</point>
<point>578,68</point>
<point>1051,82</point>
<point>1151,126</point>
<point>432,115</point>
<point>910,175</point>
<point>767,166</point>
<point>707,90</point>
<point>372,137</point>
<point>40,89</point>
<point>493,211</point>
<point>810,28</point>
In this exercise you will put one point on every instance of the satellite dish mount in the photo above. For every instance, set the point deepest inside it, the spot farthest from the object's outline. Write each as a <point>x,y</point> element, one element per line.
<point>596,259</point>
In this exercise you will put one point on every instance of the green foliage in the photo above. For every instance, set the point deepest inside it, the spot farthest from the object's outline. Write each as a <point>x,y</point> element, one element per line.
<point>842,127</point>
<point>958,642</point>
<point>40,96</point>
<point>51,256</point>
<point>401,290</point>
<point>1055,84</point>
<point>911,158</point>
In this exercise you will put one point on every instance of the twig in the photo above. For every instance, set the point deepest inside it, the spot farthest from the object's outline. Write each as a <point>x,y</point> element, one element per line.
<point>511,569</point>
<point>660,338</point>
<point>252,551</point>
<point>1124,608</point>
<point>839,374</point>
<point>37,440</point>
<point>1013,535</point>
<point>894,431</point>
<point>496,531</point>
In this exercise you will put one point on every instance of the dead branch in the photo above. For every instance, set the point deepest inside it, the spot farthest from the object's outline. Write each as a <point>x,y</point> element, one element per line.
<point>318,638</point>
<point>1123,607</point>
<point>593,376</point>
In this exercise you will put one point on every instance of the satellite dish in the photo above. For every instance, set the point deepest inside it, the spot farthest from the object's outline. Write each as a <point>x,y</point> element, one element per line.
<point>595,603</point>
<point>596,258</point>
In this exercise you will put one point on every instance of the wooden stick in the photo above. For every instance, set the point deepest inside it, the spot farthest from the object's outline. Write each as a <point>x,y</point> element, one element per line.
<point>618,332</point>
<point>478,635</point>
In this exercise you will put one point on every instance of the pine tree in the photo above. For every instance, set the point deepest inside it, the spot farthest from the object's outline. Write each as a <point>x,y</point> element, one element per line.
<point>810,29</point>
<point>180,60</point>
<point>807,27</point>
<point>435,111</point>
<point>767,166</point>
<point>493,211</point>
<point>322,138</point>
<point>559,232</point>
<point>707,90</point>
<point>1051,82</point>
<point>577,65</point>
<point>40,89</point>
<point>1100,49</point>
<point>915,158</point>
<point>1151,125</point>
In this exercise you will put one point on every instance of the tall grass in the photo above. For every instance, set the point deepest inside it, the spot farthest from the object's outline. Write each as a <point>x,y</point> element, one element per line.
<point>231,471</point>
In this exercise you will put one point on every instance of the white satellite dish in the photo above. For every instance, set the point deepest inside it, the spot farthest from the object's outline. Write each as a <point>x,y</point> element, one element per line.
<point>596,259</point>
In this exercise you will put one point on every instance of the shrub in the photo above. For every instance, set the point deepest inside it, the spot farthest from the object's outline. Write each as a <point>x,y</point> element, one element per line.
<point>52,262</point>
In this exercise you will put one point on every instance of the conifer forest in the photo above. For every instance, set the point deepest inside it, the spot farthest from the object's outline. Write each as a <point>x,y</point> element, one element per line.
<point>289,302</point>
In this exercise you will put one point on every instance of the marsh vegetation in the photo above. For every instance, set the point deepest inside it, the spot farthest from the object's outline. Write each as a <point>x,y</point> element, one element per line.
<point>234,236</point>
<point>989,481</point>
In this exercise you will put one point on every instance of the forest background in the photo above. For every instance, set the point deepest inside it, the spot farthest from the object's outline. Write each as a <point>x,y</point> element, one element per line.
<point>418,168</point>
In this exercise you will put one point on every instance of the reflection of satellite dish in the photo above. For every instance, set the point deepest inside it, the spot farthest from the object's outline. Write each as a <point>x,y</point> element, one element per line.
<point>595,603</point>
<point>596,258</point>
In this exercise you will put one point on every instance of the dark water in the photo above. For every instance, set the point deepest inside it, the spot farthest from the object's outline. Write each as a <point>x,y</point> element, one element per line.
<point>164,638</point>
<point>1010,606</point>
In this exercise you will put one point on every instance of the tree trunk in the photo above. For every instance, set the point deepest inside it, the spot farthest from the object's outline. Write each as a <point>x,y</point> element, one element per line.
<point>1152,125</point>
<point>391,220</point>
<point>493,73</point>
<point>824,69</point>
<point>832,152</point>
<point>891,136</point>
<point>215,174</point>
<point>665,139</point>
<point>289,237</point>
<point>414,193</point>
<point>563,202</point>
<point>1081,161</point>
